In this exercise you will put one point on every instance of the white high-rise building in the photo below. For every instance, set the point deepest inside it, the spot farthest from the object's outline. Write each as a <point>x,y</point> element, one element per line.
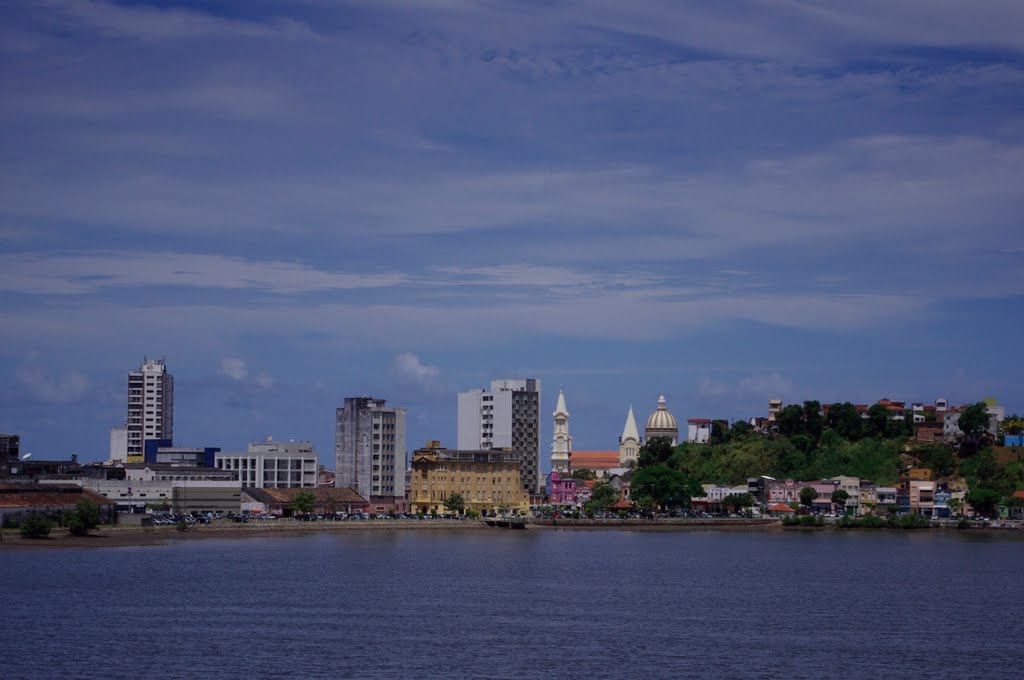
<point>370,453</point>
<point>150,407</point>
<point>506,417</point>
<point>561,443</point>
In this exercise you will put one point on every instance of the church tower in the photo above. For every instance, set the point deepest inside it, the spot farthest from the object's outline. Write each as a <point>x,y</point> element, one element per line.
<point>629,442</point>
<point>561,445</point>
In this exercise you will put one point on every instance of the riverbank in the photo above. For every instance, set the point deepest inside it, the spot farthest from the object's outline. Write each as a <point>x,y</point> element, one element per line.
<point>660,524</point>
<point>126,536</point>
<point>129,536</point>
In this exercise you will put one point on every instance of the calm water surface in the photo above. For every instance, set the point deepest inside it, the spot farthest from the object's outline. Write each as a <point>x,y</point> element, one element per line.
<point>535,604</point>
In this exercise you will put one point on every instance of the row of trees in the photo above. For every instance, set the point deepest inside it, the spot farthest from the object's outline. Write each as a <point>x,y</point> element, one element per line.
<point>84,518</point>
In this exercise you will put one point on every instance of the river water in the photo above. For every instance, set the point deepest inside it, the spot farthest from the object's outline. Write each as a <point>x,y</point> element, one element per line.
<point>521,604</point>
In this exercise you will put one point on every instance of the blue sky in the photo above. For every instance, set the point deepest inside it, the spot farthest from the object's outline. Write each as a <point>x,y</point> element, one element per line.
<point>298,202</point>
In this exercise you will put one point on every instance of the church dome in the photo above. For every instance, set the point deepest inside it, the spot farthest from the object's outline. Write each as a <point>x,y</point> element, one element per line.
<point>661,419</point>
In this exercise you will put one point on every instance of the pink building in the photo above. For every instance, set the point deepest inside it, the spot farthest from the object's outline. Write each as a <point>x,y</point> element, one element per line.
<point>562,489</point>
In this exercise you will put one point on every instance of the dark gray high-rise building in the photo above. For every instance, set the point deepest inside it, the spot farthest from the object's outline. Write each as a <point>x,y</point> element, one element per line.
<point>10,450</point>
<point>506,417</point>
<point>370,451</point>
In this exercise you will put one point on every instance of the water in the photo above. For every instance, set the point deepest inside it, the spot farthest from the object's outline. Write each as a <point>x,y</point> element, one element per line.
<point>514,604</point>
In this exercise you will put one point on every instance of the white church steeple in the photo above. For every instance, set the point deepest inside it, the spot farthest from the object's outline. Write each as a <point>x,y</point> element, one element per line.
<point>629,442</point>
<point>561,444</point>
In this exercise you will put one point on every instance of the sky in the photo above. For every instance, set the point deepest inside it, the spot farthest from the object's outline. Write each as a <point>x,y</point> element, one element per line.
<point>296,202</point>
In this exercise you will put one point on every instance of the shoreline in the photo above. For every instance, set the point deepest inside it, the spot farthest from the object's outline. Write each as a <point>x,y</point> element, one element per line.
<point>137,536</point>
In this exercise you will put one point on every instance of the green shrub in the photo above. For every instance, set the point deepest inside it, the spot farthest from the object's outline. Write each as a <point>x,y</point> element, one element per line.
<point>36,525</point>
<point>181,525</point>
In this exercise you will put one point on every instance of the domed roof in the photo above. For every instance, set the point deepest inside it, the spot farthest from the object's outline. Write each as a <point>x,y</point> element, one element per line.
<point>661,419</point>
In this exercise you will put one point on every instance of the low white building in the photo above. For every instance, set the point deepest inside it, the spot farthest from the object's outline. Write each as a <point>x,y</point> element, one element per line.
<point>273,464</point>
<point>698,430</point>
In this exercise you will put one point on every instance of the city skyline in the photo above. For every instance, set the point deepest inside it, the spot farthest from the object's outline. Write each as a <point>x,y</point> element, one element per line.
<point>299,203</point>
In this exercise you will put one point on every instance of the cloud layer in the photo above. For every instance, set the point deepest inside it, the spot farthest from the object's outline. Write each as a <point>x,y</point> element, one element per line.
<point>748,197</point>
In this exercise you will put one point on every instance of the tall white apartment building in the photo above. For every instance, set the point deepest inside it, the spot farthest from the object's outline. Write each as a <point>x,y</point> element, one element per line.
<point>270,464</point>
<point>505,417</point>
<point>150,407</point>
<point>370,451</point>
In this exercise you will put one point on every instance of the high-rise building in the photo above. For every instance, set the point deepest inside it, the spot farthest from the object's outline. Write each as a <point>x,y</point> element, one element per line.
<point>561,442</point>
<point>10,447</point>
<point>150,407</point>
<point>370,451</point>
<point>506,417</point>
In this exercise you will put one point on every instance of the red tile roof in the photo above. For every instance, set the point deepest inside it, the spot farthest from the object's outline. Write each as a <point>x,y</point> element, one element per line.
<point>780,507</point>
<point>47,496</point>
<point>595,460</point>
<point>699,421</point>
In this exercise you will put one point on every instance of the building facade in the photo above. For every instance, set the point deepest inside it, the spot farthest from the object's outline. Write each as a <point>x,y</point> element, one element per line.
<point>370,453</point>
<point>150,407</point>
<point>271,465</point>
<point>505,417</point>
<point>698,430</point>
<point>10,452</point>
<point>488,481</point>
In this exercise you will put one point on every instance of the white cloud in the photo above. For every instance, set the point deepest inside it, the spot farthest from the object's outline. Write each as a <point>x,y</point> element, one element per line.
<point>409,369</point>
<point>80,274</point>
<point>65,388</point>
<point>234,368</point>
<point>759,386</point>
<point>154,24</point>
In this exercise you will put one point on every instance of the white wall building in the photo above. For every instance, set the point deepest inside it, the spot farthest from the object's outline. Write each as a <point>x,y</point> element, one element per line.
<point>506,417</point>
<point>119,444</point>
<point>150,407</point>
<point>370,450</point>
<point>273,464</point>
<point>698,430</point>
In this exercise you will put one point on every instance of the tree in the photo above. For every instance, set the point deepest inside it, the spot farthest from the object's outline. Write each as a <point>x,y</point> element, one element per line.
<point>974,420</point>
<point>839,498</point>
<point>455,503</point>
<point>303,502</point>
<point>1014,424</point>
<point>983,500</point>
<point>664,486</point>
<point>878,424</point>
<point>790,420</point>
<point>719,432</point>
<point>741,427</point>
<point>807,496</point>
<point>846,421</point>
<point>84,518</point>
<point>814,423</point>
<point>584,474</point>
<point>35,525</point>
<point>602,495</point>
<point>738,500</point>
<point>656,451</point>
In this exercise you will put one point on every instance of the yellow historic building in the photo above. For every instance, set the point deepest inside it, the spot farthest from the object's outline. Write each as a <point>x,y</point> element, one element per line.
<point>488,481</point>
